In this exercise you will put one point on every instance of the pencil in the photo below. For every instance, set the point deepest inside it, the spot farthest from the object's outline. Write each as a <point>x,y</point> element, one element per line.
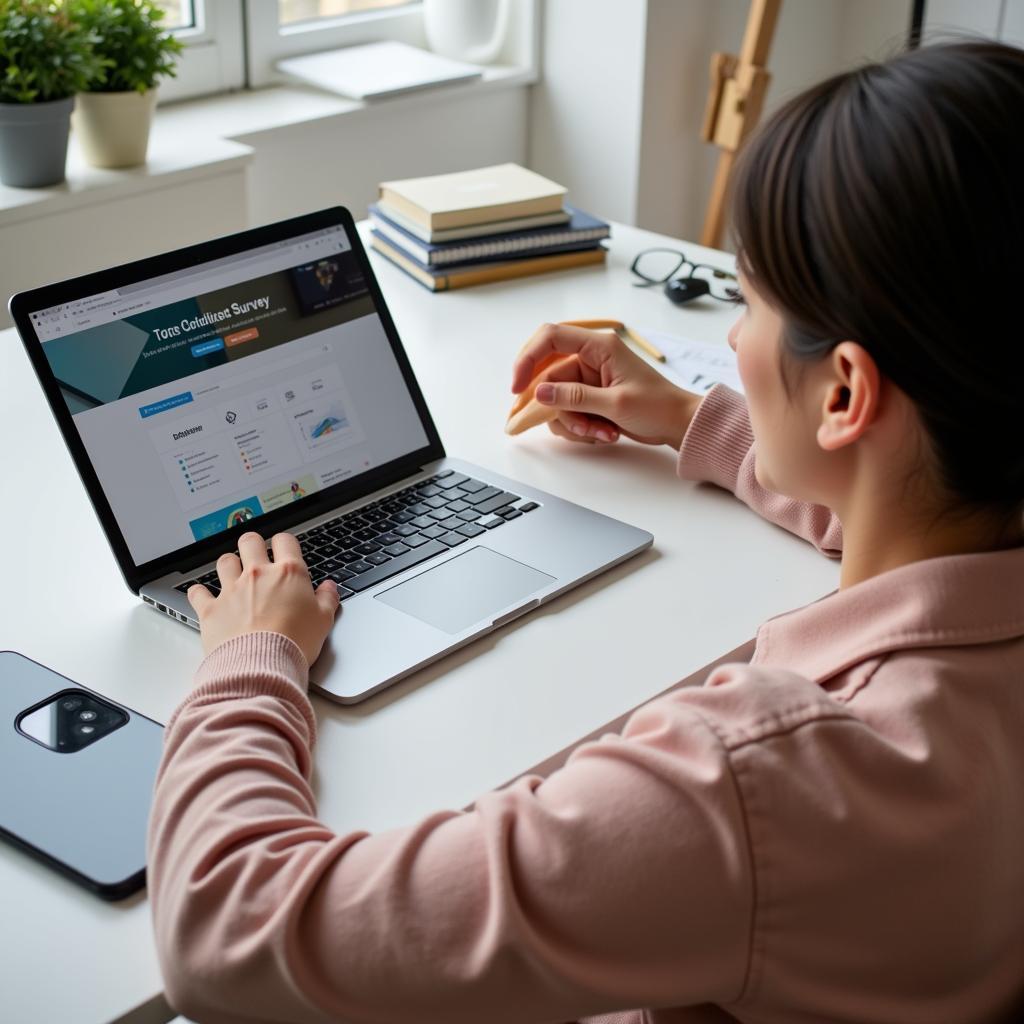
<point>642,342</point>
<point>627,333</point>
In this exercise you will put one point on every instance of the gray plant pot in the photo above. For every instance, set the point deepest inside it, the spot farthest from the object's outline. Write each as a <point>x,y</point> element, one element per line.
<point>34,142</point>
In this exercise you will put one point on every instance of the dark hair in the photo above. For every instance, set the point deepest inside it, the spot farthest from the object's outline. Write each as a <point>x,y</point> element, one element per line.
<point>886,206</point>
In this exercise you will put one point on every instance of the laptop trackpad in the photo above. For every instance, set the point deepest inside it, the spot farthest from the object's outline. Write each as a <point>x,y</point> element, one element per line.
<point>466,590</point>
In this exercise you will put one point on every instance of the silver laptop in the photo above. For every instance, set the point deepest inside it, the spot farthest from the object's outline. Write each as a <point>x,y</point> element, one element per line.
<point>258,382</point>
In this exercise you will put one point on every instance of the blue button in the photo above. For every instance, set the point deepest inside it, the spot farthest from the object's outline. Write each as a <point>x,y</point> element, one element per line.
<point>204,348</point>
<point>165,403</point>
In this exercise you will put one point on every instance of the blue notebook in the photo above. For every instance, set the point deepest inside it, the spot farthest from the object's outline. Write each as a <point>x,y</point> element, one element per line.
<point>578,232</point>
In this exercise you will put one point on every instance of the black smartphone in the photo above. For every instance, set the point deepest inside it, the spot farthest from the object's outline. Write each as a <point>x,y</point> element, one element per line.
<point>77,772</point>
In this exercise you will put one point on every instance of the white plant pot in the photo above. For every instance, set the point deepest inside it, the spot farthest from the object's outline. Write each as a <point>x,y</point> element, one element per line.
<point>470,30</point>
<point>113,127</point>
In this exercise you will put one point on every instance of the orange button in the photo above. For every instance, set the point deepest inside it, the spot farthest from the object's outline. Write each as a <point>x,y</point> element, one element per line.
<point>239,336</point>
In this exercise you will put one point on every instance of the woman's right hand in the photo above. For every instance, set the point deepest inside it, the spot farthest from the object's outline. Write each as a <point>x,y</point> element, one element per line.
<point>605,391</point>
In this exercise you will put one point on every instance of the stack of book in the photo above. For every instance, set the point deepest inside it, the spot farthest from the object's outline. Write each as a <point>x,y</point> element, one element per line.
<point>471,227</point>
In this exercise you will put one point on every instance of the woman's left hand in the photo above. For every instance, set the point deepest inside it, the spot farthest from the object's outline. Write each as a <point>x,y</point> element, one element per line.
<point>257,594</point>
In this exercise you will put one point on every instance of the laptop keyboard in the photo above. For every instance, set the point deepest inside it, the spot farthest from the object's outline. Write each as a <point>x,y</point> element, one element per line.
<point>361,548</point>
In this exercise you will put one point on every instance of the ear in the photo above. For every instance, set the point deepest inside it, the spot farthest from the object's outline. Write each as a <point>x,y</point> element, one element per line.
<point>851,401</point>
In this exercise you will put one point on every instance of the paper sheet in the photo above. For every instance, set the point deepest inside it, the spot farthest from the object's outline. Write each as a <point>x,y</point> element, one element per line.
<point>695,365</point>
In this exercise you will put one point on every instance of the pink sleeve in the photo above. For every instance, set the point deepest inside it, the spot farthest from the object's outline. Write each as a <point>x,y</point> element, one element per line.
<point>719,448</point>
<point>622,880</point>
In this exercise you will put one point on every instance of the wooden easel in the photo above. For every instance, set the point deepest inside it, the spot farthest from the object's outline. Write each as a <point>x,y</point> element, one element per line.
<point>738,87</point>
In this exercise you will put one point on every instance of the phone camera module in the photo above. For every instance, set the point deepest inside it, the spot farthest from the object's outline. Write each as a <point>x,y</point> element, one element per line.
<point>69,722</point>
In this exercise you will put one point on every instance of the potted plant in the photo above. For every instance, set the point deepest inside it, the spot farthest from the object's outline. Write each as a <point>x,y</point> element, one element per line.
<point>45,58</point>
<point>113,117</point>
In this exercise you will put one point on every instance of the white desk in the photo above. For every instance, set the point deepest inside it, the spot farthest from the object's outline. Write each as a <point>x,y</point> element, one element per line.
<point>451,731</point>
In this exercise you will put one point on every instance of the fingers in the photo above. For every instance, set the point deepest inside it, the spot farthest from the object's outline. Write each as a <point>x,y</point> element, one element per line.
<point>229,568</point>
<point>285,546</point>
<point>584,430</point>
<point>327,596</point>
<point>577,397</point>
<point>253,550</point>
<point>200,599</point>
<point>593,347</point>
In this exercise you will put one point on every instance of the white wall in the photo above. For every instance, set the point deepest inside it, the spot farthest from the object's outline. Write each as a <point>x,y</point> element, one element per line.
<point>625,137</point>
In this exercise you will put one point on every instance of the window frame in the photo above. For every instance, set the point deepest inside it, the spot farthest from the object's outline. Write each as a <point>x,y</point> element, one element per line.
<point>214,57</point>
<point>268,41</point>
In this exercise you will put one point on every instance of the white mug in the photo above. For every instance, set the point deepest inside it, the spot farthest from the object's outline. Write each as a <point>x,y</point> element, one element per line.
<point>470,30</point>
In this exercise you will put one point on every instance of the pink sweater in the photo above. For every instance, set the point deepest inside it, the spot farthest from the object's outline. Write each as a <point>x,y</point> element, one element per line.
<point>833,832</point>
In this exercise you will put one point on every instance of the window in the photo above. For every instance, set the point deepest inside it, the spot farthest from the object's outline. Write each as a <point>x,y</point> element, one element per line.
<point>231,44</point>
<point>178,14</point>
<point>213,60</point>
<point>292,11</point>
<point>292,27</point>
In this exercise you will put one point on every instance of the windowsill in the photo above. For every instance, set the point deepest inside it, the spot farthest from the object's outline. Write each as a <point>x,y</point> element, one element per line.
<point>169,163</point>
<point>235,115</point>
<point>200,138</point>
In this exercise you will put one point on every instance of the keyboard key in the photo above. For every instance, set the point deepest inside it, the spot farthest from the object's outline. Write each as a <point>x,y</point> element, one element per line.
<point>394,550</point>
<point>451,479</point>
<point>361,566</point>
<point>429,490</point>
<point>470,530</point>
<point>420,508</point>
<point>471,486</point>
<point>378,559</point>
<point>468,515</point>
<point>367,533</point>
<point>437,514</point>
<point>498,501</point>
<point>444,473</point>
<point>417,539</point>
<point>182,588</point>
<point>368,548</point>
<point>340,575</point>
<point>405,530</point>
<point>329,565</point>
<point>328,550</point>
<point>451,539</point>
<point>433,531</point>
<point>458,505</point>
<point>385,540</point>
<point>402,517</point>
<point>422,522</point>
<point>451,523</point>
<point>512,514</point>
<point>435,502</point>
<point>348,556</point>
<point>344,592</point>
<point>397,565</point>
<point>483,494</point>
<point>492,523</point>
<point>529,506</point>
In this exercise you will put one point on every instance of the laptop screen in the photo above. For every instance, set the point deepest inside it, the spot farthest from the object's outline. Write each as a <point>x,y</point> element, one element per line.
<point>210,396</point>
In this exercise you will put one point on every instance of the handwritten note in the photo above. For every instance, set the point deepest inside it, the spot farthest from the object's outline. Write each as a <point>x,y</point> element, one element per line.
<point>696,366</point>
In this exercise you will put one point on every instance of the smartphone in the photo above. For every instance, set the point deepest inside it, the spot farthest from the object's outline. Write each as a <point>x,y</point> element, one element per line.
<point>77,772</point>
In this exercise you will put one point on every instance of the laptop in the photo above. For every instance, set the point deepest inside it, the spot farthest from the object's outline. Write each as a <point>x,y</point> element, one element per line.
<point>257,382</point>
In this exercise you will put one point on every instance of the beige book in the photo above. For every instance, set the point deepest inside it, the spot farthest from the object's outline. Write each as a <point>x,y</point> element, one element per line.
<point>473,197</point>
<point>484,272</point>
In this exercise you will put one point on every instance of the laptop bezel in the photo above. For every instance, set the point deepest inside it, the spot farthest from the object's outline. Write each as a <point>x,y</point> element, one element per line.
<point>201,552</point>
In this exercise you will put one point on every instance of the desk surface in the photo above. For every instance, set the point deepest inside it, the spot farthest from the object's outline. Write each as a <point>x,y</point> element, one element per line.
<point>453,730</point>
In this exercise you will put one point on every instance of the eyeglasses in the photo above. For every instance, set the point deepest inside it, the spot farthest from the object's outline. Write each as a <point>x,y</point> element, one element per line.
<point>684,281</point>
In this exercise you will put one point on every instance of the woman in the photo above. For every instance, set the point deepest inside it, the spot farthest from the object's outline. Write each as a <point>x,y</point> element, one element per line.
<point>832,832</point>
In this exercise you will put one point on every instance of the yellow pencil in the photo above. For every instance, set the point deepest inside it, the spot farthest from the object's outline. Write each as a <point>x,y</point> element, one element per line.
<point>624,332</point>
<point>642,342</point>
